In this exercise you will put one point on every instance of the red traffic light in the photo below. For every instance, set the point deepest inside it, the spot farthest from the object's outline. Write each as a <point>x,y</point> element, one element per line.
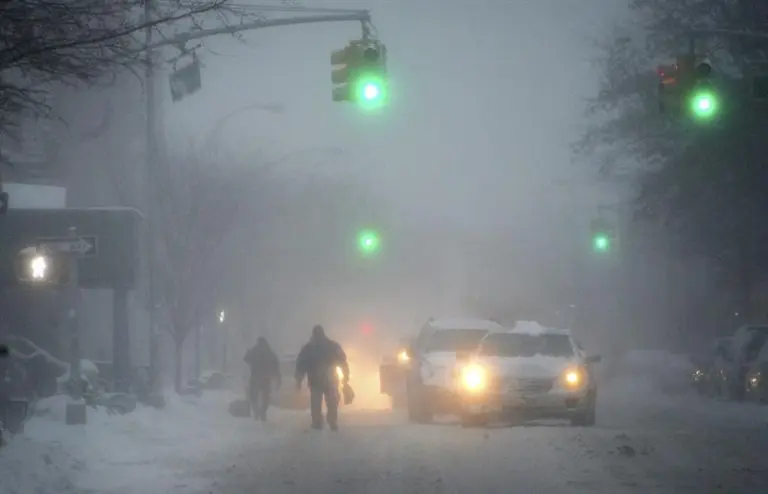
<point>667,74</point>
<point>366,328</point>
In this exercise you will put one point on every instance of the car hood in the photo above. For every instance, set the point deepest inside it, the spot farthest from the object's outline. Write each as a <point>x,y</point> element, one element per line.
<point>527,367</point>
<point>441,358</point>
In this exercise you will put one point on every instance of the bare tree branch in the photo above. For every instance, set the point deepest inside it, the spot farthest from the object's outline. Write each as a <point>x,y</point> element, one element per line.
<point>44,43</point>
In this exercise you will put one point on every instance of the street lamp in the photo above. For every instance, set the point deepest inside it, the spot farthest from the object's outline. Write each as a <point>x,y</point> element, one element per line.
<point>223,335</point>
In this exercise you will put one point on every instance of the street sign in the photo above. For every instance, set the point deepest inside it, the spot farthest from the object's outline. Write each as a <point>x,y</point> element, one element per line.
<point>83,246</point>
<point>185,81</point>
<point>112,260</point>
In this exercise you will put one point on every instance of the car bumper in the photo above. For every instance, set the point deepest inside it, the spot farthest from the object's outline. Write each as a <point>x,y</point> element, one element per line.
<point>440,399</point>
<point>554,404</point>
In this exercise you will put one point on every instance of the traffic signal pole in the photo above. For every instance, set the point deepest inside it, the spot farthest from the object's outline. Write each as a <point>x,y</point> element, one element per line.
<point>75,412</point>
<point>149,198</point>
<point>152,127</point>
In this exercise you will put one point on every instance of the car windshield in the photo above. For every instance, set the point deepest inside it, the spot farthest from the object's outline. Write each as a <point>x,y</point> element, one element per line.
<point>455,340</point>
<point>526,345</point>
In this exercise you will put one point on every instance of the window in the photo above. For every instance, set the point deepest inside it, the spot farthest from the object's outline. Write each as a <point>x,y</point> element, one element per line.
<point>527,345</point>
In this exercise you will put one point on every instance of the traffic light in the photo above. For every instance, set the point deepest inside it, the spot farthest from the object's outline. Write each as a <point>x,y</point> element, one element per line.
<point>362,75</point>
<point>366,328</point>
<point>686,88</point>
<point>368,242</point>
<point>601,242</point>
<point>603,236</point>
<point>703,100</point>
<point>669,99</point>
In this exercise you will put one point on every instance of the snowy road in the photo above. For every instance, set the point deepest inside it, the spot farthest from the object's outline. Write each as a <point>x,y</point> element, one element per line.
<point>641,444</point>
<point>664,446</point>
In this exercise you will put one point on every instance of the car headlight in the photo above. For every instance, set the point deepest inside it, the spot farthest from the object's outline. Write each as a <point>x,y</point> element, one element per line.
<point>403,357</point>
<point>474,378</point>
<point>573,378</point>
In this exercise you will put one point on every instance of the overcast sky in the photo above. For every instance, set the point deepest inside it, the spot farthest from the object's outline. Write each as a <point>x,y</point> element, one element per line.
<point>486,96</point>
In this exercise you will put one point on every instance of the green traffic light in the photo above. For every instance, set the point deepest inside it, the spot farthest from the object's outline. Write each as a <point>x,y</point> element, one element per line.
<point>704,104</point>
<point>370,91</point>
<point>368,242</point>
<point>601,243</point>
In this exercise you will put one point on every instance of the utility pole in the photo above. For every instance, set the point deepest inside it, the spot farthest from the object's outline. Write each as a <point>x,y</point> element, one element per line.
<point>75,410</point>
<point>150,196</point>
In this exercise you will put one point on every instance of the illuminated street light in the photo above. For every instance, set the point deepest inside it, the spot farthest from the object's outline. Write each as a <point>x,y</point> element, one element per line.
<point>222,316</point>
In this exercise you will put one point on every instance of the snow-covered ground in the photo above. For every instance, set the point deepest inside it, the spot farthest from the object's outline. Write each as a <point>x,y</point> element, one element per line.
<point>123,453</point>
<point>648,439</point>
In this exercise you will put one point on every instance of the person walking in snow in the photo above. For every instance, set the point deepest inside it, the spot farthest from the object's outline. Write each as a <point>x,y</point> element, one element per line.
<point>318,360</point>
<point>265,369</point>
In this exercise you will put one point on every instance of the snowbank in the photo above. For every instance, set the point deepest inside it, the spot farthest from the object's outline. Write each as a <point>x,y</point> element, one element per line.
<point>117,451</point>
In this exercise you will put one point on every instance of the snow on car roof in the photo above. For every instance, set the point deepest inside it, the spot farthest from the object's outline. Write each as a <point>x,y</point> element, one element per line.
<point>478,324</point>
<point>534,328</point>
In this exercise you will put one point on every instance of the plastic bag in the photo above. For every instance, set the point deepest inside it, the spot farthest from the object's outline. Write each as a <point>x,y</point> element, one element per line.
<point>348,394</point>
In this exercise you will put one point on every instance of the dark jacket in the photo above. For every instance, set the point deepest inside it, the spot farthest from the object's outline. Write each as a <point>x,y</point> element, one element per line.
<point>265,367</point>
<point>318,360</point>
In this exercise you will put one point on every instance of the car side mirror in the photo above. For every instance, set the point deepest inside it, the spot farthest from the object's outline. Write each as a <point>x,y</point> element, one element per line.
<point>593,359</point>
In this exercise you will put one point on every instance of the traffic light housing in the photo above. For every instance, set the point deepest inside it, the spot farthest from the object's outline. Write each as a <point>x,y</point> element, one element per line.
<point>686,88</point>
<point>361,76</point>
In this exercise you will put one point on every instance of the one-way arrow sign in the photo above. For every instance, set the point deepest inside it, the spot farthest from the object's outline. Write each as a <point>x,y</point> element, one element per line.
<point>84,246</point>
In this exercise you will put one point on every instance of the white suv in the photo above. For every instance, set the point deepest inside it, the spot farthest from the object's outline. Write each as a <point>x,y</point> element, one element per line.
<point>435,357</point>
<point>530,372</point>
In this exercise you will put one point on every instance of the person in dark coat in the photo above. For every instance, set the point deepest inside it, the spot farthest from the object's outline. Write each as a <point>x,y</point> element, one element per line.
<point>318,361</point>
<point>265,369</point>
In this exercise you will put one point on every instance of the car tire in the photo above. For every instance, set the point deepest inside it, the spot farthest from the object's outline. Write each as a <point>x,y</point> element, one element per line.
<point>418,407</point>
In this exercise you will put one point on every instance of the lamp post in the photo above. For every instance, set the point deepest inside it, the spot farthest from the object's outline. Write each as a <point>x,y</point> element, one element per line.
<point>224,335</point>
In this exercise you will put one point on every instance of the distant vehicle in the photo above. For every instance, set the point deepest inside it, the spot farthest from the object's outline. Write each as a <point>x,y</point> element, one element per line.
<point>706,377</point>
<point>434,360</point>
<point>393,372</point>
<point>756,382</point>
<point>530,372</point>
<point>745,347</point>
